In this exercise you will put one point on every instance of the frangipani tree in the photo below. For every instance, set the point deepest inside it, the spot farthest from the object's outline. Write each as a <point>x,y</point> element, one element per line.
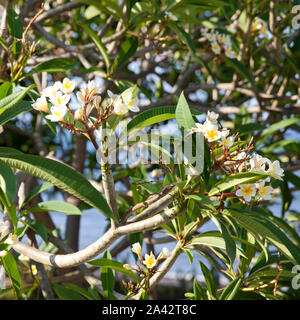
<point>101,79</point>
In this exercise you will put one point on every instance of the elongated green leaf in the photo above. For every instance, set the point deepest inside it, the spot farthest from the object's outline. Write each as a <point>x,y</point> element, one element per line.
<point>39,189</point>
<point>241,69</point>
<point>259,224</point>
<point>12,271</point>
<point>57,206</point>
<point>80,290</point>
<point>8,182</point>
<point>231,289</point>
<point>203,201</point>
<point>65,293</point>
<point>53,65</point>
<point>183,114</point>
<point>100,46</point>
<point>4,89</point>
<point>38,227</point>
<point>275,127</point>
<point>235,179</point>
<point>108,279</point>
<point>127,50</point>
<point>60,175</point>
<point>184,36</point>
<point>13,99</point>
<point>212,289</point>
<point>199,292</point>
<point>14,23</point>
<point>277,145</point>
<point>118,266</point>
<point>14,111</point>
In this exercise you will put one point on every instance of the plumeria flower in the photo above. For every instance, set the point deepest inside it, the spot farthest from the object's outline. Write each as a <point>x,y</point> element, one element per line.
<point>120,107</point>
<point>215,47</point>
<point>164,254</point>
<point>78,114</point>
<point>34,269</point>
<point>212,117</point>
<point>150,260</point>
<point>227,141</point>
<point>257,163</point>
<point>226,40</point>
<point>211,133</point>
<point>275,170</point>
<point>265,191</point>
<point>246,191</point>
<point>204,31</point>
<point>11,239</point>
<point>67,86</point>
<point>57,113</point>
<point>51,91</point>
<point>41,104</point>
<point>132,103</point>
<point>212,37</point>
<point>225,133</point>
<point>87,94</point>
<point>199,128</point>
<point>112,96</point>
<point>60,99</point>
<point>136,248</point>
<point>3,253</point>
<point>229,52</point>
<point>22,257</point>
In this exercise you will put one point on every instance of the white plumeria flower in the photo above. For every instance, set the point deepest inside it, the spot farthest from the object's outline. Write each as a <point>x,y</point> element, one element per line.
<point>227,141</point>
<point>265,191</point>
<point>57,113</point>
<point>212,36</point>
<point>132,103</point>
<point>34,269</point>
<point>215,47</point>
<point>257,163</point>
<point>247,191</point>
<point>226,40</point>
<point>41,104</point>
<point>204,31</point>
<point>51,91</point>
<point>275,170</point>
<point>241,156</point>
<point>225,133</point>
<point>60,99</point>
<point>3,253</point>
<point>78,114</point>
<point>136,248</point>
<point>212,116</point>
<point>92,88</point>
<point>120,107</point>
<point>199,127</point>
<point>164,254</point>
<point>233,26</point>
<point>156,173</point>
<point>67,86</point>
<point>212,133</point>
<point>22,257</point>
<point>229,52</point>
<point>150,260</point>
<point>112,96</point>
<point>11,239</point>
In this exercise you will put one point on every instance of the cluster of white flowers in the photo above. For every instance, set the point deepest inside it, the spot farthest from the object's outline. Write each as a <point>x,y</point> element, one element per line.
<point>59,95</point>
<point>245,163</point>
<point>219,41</point>
<point>259,25</point>
<point>150,261</point>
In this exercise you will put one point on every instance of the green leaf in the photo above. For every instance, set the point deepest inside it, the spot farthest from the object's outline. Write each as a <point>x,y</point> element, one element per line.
<point>184,36</point>
<point>60,175</point>
<point>51,125</point>
<point>241,69</point>
<point>100,46</point>
<point>184,117</point>
<point>212,289</point>
<point>275,127</point>
<point>203,201</point>
<point>199,292</point>
<point>10,266</point>
<point>231,289</point>
<point>39,189</point>
<point>53,65</point>
<point>14,111</point>
<point>79,290</point>
<point>108,279</point>
<point>65,293</point>
<point>115,265</point>
<point>13,99</point>
<point>235,179</point>
<point>126,51</point>
<point>4,89</point>
<point>14,24</point>
<point>8,182</point>
<point>57,206</point>
<point>38,227</point>
<point>257,223</point>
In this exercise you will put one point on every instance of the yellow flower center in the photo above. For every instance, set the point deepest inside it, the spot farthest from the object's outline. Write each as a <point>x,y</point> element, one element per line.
<point>263,191</point>
<point>130,103</point>
<point>150,261</point>
<point>211,134</point>
<point>247,190</point>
